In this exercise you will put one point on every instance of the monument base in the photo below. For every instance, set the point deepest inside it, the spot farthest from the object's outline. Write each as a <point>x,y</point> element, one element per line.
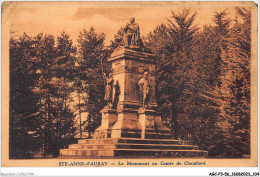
<point>136,133</point>
<point>132,147</point>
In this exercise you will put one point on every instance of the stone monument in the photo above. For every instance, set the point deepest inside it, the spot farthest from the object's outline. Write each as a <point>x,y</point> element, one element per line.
<point>130,124</point>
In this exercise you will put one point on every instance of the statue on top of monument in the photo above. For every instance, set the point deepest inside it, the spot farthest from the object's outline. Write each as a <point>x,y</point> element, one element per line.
<point>144,88</point>
<point>131,35</point>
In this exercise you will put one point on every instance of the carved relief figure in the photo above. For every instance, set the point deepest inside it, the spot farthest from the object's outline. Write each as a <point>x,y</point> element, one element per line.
<point>116,93</point>
<point>131,36</point>
<point>144,87</point>
<point>109,89</point>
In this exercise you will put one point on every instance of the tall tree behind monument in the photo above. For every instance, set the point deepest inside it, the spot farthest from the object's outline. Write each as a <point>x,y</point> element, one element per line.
<point>173,44</point>
<point>194,92</point>
<point>91,68</point>
<point>232,96</point>
<point>52,68</point>
<point>117,41</point>
<point>63,72</point>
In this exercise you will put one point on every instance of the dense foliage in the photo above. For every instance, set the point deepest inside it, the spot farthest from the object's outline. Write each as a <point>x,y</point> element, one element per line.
<point>203,80</point>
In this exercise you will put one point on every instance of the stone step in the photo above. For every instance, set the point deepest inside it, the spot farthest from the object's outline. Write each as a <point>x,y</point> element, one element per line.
<point>160,153</point>
<point>96,141</point>
<point>130,140</point>
<point>155,146</point>
<point>132,152</point>
<point>92,146</point>
<point>87,152</point>
<point>132,146</point>
<point>150,141</point>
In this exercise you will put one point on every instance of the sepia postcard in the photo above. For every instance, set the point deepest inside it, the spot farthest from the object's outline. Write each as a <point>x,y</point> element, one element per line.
<point>129,84</point>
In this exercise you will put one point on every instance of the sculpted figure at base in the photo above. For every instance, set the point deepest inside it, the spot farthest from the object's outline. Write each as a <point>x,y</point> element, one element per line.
<point>109,89</point>
<point>131,35</point>
<point>144,87</point>
<point>112,91</point>
<point>116,93</point>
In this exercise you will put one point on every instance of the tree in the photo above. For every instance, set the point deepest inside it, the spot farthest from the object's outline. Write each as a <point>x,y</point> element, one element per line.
<point>45,88</point>
<point>208,69</point>
<point>22,99</point>
<point>203,80</point>
<point>233,95</point>
<point>63,72</point>
<point>118,40</point>
<point>90,73</point>
<point>40,94</point>
<point>174,44</point>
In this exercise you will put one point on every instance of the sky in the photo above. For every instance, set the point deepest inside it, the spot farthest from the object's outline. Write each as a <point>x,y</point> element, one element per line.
<point>72,17</point>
